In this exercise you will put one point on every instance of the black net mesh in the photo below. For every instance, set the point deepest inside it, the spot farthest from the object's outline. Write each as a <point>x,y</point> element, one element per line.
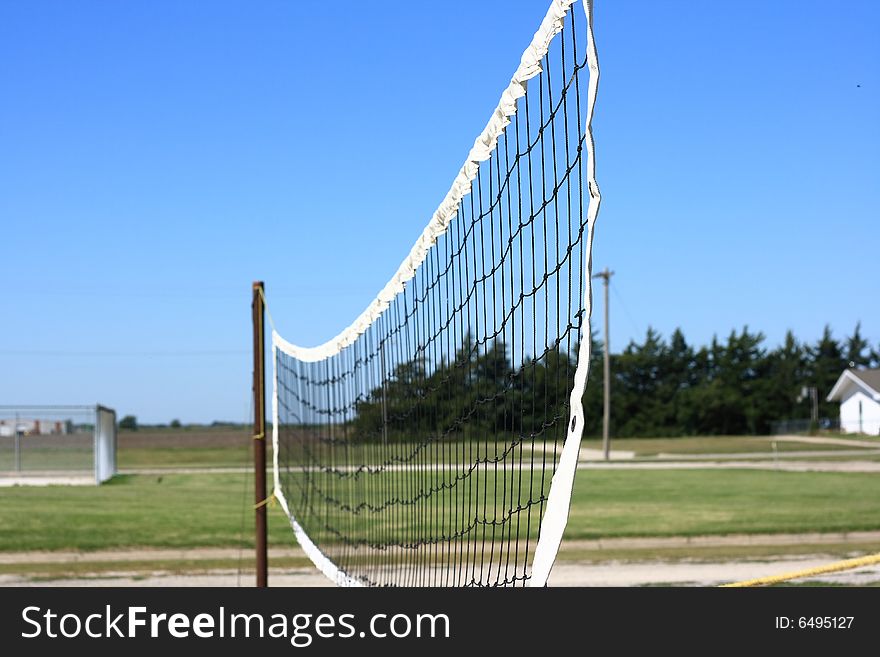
<point>422,454</point>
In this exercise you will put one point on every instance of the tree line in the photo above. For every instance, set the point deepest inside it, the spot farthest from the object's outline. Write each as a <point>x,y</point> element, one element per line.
<point>736,386</point>
<point>659,387</point>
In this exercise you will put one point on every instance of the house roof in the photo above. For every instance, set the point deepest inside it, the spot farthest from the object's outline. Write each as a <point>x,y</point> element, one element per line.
<point>870,377</point>
<point>866,380</point>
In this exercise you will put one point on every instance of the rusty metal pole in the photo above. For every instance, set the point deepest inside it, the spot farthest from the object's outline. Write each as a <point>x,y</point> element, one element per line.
<point>260,436</point>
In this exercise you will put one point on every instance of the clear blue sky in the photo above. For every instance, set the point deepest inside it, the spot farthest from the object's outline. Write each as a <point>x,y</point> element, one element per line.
<point>156,157</point>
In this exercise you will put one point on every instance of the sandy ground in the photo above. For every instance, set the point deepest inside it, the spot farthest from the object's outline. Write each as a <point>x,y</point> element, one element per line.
<point>564,574</point>
<point>821,440</point>
<point>14,479</point>
<point>702,573</point>
<point>647,543</point>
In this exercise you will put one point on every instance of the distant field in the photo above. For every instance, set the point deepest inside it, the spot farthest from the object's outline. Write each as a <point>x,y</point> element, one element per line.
<point>646,447</point>
<point>196,447</point>
<point>184,437</point>
<point>231,447</point>
<point>215,510</point>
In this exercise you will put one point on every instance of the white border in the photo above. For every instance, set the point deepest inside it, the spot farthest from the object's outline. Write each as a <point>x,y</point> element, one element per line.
<point>321,560</point>
<point>559,499</point>
<point>529,67</point>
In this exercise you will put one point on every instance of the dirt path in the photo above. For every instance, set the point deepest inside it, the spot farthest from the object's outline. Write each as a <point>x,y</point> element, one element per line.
<point>145,554</point>
<point>765,456</point>
<point>818,440</point>
<point>702,573</point>
<point>766,464</point>
<point>727,540</point>
<point>566,573</point>
<point>216,554</point>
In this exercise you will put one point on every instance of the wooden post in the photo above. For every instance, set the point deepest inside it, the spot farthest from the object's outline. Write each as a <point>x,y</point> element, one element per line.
<point>260,436</point>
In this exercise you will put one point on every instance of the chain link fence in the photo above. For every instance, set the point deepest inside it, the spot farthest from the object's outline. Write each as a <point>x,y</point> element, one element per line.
<point>57,441</point>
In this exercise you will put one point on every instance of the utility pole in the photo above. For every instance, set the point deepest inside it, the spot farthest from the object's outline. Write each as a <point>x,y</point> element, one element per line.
<point>606,411</point>
<point>811,393</point>
<point>814,398</point>
<point>260,436</point>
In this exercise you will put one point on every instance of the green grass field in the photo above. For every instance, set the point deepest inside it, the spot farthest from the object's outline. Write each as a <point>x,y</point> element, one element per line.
<point>214,510</point>
<point>129,511</point>
<point>698,502</point>
<point>205,510</point>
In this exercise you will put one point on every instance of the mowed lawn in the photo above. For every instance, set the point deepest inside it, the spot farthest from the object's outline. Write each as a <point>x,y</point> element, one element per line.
<point>215,510</point>
<point>698,502</point>
<point>131,511</point>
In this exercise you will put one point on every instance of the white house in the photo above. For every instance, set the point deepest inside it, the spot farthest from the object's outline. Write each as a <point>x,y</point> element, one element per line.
<point>858,392</point>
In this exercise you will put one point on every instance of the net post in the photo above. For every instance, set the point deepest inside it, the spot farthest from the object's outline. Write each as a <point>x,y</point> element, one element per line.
<point>259,441</point>
<point>96,445</point>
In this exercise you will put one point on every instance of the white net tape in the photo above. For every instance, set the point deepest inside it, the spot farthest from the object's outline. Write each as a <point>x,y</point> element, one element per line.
<point>344,350</point>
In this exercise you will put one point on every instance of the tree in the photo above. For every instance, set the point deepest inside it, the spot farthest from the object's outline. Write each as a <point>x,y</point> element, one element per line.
<point>728,400</point>
<point>639,407</point>
<point>826,364</point>
<point>659,388</point>
<point>129,422</point>
<point>175,424</point>
<point>786,374</point>
<point>858,351</point>
<point>681,374</point>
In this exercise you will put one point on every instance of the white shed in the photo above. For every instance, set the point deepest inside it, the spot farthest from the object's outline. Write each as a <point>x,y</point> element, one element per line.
<point>858,392</point>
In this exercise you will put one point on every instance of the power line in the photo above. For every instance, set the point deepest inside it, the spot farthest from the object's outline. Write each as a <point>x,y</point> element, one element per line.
<point>637,326</point>
<point>115,354</point>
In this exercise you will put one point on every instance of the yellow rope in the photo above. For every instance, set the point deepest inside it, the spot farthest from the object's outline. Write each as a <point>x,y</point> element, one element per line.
<point>262,434</point>
<point>268,500</point>
<point>809,572</point>
<point>266,307</point>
